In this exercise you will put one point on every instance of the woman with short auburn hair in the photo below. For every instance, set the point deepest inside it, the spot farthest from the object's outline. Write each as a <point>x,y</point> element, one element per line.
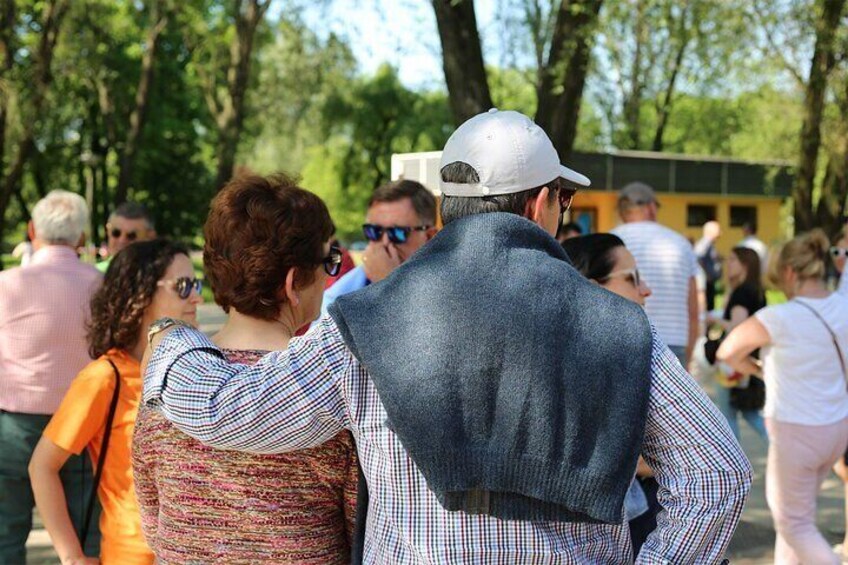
<point>267,256</point>
<point>804,344</point>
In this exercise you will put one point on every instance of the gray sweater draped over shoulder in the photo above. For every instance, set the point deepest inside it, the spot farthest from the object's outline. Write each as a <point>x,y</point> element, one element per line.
<point>518,388</point>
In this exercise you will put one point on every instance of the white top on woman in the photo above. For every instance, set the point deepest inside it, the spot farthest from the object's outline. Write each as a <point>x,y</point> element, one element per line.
<point>804,381</point>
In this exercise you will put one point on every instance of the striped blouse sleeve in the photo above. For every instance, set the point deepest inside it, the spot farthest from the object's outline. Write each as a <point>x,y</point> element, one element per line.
<point>288,400</point>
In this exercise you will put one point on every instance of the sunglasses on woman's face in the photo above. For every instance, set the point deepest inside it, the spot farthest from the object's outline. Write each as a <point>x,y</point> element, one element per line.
<point>838,252</point>
<point>333,261</point>
<point>397,234</point>
<point>184,285</point>
<point>630,275</point>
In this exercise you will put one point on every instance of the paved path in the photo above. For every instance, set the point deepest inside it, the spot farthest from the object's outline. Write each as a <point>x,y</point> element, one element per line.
<point>752,544</point>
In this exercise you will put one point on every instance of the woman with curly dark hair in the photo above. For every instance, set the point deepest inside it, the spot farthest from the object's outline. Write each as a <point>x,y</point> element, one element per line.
<point>145,281</point>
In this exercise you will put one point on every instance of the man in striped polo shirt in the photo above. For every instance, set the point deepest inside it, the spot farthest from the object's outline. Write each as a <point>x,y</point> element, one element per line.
<point>667,263</point>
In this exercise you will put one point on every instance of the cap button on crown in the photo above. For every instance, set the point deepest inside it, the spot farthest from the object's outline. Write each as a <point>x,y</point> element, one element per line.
<point>493,110</point>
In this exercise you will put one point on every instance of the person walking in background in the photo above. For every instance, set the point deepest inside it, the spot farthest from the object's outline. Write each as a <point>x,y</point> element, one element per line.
<point>839,256</point>
<point>43,314</point>
<point>708,258</point>
<point>144,282</point>
<point>751,241</point>
<point>603,259</point>
<point>668,264</point>
<point>267,256</point>
<point>128,223</point>
<point>401,218</point>
<point>803,343</point>
<point>568,231</point>
<point>737,394</point>
<point>466,458</point>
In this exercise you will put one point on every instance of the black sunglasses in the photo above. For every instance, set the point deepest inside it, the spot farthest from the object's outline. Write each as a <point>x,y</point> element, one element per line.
<point>397,234</point>
<point>184,286</point>
<point>333,261</point>
<point>116,233</point>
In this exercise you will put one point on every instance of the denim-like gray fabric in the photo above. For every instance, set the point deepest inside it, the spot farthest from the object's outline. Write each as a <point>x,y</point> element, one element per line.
<point>518,388</point>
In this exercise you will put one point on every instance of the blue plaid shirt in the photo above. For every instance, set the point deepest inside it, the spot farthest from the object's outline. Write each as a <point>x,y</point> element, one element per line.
<point>305,395</point>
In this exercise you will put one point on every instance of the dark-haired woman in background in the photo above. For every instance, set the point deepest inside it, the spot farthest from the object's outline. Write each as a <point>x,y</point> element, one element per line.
<point>267,257</point>
<point>144,282</point>
<point>746,296</point>
<point>602,258</point>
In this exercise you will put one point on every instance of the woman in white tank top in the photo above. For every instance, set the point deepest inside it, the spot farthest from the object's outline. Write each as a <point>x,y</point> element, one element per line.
<point>804,343</point>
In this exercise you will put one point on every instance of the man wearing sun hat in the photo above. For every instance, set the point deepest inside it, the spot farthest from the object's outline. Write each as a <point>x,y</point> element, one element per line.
<point>499,400</point>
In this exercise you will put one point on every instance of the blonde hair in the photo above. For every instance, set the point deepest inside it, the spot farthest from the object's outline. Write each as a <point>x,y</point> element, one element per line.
<point>806,255</point>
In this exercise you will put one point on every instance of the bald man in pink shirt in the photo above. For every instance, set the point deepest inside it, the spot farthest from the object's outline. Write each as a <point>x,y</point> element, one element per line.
<point>43,314</point>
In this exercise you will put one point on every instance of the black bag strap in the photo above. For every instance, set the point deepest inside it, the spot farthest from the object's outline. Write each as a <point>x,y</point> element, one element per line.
<point>357,546</point>
<point>92,498</point>
<point>832,336</point>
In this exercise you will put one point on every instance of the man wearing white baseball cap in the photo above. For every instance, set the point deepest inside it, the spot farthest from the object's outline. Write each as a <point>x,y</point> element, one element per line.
<point>499,400</point>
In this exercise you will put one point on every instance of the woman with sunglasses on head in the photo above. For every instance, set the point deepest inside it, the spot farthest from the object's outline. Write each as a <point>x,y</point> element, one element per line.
<point>738,394</point>
<point>144,282</point>
<point>267,256</point>
<point>839,256</point>
<point>804,345</point>
<point>603,259</point>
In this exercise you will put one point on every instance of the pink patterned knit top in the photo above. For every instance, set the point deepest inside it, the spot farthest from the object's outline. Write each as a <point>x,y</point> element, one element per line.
<point>202,505</point>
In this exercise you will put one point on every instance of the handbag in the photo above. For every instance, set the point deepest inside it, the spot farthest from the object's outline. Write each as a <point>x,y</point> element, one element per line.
<point>92,498</point>
<point>751,397</point>
<point>838,354</point>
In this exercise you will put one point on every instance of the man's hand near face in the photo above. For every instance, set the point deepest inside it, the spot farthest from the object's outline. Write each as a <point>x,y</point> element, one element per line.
<point>379,259</point>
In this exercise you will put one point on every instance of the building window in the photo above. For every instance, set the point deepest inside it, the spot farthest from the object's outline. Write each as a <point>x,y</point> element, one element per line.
<point>699,214</point>
<point>741,215</point>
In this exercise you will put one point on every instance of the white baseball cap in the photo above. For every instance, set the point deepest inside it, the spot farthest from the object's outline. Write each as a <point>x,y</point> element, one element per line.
<point>509,152</point>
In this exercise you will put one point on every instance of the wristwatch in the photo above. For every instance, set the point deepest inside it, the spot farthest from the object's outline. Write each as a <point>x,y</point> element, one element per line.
<point>160,325</point>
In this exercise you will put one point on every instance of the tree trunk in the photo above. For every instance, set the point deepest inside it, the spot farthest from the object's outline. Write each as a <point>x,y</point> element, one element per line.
<point>462,58</point>
<point>664,107</point>
<point>158,21</point>
<point>828,14</point>
<point>231,116</point>
<point>831,207</point>
<point>7,48</point>
<point>50,25</point>
<point>560,90</point>
<point>632,109</point>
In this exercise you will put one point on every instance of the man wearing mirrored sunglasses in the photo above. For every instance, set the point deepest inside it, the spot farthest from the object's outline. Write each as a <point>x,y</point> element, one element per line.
<point>401,218</point>
<point>128,223</point>
<point>499,400</point>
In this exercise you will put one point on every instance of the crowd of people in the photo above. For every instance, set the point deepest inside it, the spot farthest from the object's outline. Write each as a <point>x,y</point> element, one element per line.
<point>504,389</point>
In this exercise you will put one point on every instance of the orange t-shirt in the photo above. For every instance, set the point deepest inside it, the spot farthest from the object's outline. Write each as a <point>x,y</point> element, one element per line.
<point>80,423</point>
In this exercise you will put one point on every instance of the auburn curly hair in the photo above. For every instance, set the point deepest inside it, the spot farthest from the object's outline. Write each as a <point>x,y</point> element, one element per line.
<point>117,308</point>
<point>257,230</point>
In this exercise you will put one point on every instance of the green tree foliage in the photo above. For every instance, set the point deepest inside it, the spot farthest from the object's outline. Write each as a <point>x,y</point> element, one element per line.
<point>373,118</point>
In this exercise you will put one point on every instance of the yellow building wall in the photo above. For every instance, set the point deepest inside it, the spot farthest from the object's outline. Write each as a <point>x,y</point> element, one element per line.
<point>673,213</point>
